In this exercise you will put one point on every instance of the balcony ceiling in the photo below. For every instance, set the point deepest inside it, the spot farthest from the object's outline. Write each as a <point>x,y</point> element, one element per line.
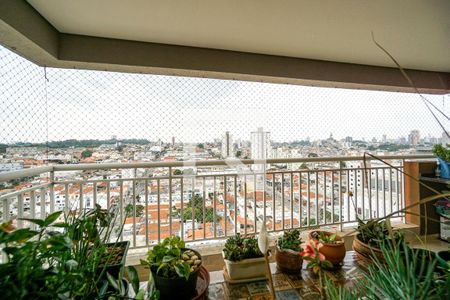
<point>416,32</point>
<point>320,43</point>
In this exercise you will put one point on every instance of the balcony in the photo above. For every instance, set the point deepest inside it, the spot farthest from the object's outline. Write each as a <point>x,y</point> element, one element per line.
<point>154,72</point>
<point>233,196</point>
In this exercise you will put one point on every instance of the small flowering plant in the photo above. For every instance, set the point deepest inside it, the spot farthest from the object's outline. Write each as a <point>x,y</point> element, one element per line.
<point>316,260</point>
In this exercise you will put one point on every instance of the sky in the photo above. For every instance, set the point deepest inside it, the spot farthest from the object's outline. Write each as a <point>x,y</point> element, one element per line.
<point>40,104</point>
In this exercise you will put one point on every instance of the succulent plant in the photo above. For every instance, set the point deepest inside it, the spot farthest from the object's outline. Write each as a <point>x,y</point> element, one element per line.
<point>290,240</point>
<point>238,248</point>
<point>375,233</point>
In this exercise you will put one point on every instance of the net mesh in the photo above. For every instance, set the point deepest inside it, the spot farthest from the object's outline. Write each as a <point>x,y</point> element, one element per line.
<point>50,110</point>
<point>41,105</point>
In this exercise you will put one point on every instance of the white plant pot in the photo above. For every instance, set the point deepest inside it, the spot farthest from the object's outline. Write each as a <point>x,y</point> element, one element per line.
<point>246,268</point>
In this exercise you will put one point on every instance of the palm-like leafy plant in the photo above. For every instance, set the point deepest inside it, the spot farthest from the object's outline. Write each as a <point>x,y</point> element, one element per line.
<point>405,274</point>
<point>59,260</point>
<point>376,232</point>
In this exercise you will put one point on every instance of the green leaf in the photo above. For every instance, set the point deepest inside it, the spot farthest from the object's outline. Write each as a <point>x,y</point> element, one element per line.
<point>103,289</point>
<point>150,284</point>
<point>155,295</point>
<point>144,262</point>
<point>161,266</point>
<point>52,218</point>
<point>121,287</point>
<point>168,258</point>
<point>183,270</point>
<point>112,281</point>
<point>134,278</point>
<point>39,222</point>
<point>20,235</point>
<point>61,225</point>
<point>140,295</point>
<point>71,264</point>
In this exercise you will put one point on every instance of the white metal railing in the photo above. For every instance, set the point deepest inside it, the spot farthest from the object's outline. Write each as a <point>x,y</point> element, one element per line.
<point>214,199</point>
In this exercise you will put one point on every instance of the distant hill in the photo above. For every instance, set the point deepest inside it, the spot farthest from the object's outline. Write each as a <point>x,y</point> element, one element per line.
<point>76,143</point>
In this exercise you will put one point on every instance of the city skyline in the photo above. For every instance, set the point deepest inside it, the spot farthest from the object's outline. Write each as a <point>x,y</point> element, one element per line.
<point>382,138</point>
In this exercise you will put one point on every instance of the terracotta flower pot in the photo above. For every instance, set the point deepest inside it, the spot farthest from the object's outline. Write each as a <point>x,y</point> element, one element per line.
<point>288,261</point>
<point>334,253</point>
<point>365,251</point>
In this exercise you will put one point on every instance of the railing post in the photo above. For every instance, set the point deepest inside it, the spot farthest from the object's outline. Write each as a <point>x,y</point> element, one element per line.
<point>6,216</point>
<point>121,204</point>
<point>340,196</point>
<point>66,199</point>
<point>81,197</point>
<point>134,182</point>
<point>33,208</point>
<point>52,191</point>
<point>146,212</point>
<point>402,197</point>
<point>170,201</point>
<point>43,204</point>
<point>19,211</point>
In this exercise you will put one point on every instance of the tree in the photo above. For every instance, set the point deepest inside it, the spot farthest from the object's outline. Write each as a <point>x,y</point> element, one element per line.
<point>201,146</point>
<point>86,153</point>
<point>312,219</point>
<point>177,172</point>
<point>197,204</point>
<point>238,153</point>
<point>311,154</point>
<point>129,210</point>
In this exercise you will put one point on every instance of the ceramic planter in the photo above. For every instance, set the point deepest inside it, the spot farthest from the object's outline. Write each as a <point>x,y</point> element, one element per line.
<point>178,288</point>
<point>443,258</point>
<point>245,269</point>
<point>334,253</point>
<point>114,268</point>
<point>365,251</point>
<point>288,261</point>
<point>444,168</point>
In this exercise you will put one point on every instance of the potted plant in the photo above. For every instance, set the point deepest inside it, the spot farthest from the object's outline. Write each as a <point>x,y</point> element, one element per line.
<point>113,258</point>
<point>174,268</point>
<point>316,262</point>
<point>332,246</point>
<point>443,156</point>
<point>121,288</point>
<point>243,259</point>
<point>287,252</point>
<point>371,236</point>
<point>399,276</point>
<point>58,260</point>
<point>91,232</point>
<point>443,210</point>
